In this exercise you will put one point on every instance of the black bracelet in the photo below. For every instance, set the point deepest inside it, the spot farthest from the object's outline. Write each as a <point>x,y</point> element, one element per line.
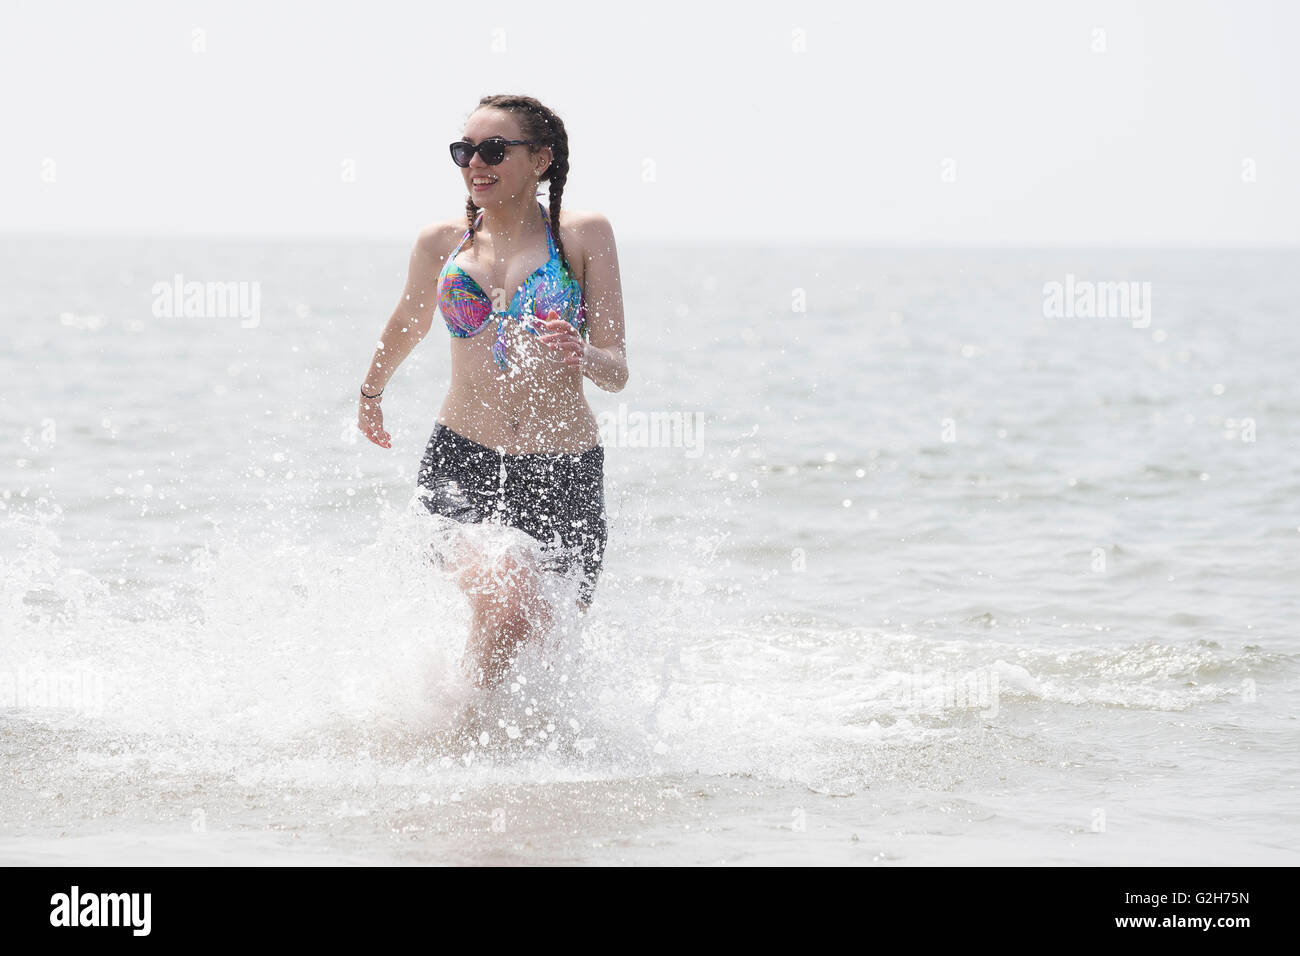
<point>376,395</point>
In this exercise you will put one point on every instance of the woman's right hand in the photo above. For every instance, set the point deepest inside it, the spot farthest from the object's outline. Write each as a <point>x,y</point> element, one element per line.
<point>370,419</point>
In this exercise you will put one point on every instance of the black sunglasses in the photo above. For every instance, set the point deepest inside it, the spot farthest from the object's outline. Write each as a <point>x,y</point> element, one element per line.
<point>493,150</point>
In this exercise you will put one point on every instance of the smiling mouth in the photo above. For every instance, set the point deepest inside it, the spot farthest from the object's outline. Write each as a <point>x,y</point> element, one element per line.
<point>482,182</point>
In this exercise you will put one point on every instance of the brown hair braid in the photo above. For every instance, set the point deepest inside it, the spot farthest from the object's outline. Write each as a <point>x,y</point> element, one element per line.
<point>539,124</point>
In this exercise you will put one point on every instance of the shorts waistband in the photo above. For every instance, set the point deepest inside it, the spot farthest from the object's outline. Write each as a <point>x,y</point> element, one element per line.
<point>441,430</point>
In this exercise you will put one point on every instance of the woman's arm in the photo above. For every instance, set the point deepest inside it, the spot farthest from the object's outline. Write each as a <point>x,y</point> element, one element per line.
<point>604,360</point>
<point>408,324</point>
<point>413,315</point>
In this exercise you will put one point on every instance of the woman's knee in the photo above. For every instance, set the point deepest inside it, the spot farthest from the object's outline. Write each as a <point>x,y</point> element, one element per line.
<point>504,583</point>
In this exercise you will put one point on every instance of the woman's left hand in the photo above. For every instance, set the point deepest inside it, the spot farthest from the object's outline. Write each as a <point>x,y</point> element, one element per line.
<point>561,335</point>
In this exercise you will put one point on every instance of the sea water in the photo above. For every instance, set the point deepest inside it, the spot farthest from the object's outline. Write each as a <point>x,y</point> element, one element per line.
<point>907,564</point>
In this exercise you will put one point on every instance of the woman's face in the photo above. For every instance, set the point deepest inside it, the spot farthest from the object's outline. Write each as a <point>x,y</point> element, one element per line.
<point>514,176</point>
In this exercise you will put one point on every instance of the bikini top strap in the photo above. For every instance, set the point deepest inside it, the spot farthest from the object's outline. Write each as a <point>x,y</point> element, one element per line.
<point>550,239</point>
<point>464,236</point>
<point>477,219</point>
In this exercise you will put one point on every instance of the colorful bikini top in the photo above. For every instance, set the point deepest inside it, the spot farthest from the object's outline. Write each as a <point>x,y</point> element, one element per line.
<point>466,308</point>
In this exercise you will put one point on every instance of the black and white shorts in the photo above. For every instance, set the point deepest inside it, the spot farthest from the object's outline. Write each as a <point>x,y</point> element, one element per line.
<point>559,499</point>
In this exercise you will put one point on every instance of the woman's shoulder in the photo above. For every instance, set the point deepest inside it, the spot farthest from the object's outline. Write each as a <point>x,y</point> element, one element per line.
<point>436,240</point>
<point>591,230</point>
<point>581,219</point>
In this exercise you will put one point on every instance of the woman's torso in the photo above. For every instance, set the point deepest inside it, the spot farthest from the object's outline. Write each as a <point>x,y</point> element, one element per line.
<point>509,390</point>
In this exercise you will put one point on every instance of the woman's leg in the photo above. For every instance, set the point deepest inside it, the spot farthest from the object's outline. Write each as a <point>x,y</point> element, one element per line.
<point>562,496</point>
<point>543,496</point>
<point>460,480</point>
<point>507,609</point>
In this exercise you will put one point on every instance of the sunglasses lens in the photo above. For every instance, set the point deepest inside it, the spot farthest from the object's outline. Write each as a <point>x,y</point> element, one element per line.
<point>461,153</point>
<point>492,151</point>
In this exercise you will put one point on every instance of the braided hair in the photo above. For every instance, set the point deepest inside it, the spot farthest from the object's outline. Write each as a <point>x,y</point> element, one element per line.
<point>539,124</point>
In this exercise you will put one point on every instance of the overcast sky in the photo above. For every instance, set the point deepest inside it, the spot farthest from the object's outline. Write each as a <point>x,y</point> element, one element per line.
<point>961,122</point>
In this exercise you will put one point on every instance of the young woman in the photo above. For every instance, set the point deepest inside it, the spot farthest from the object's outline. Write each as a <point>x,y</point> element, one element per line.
<point>532,300</point>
